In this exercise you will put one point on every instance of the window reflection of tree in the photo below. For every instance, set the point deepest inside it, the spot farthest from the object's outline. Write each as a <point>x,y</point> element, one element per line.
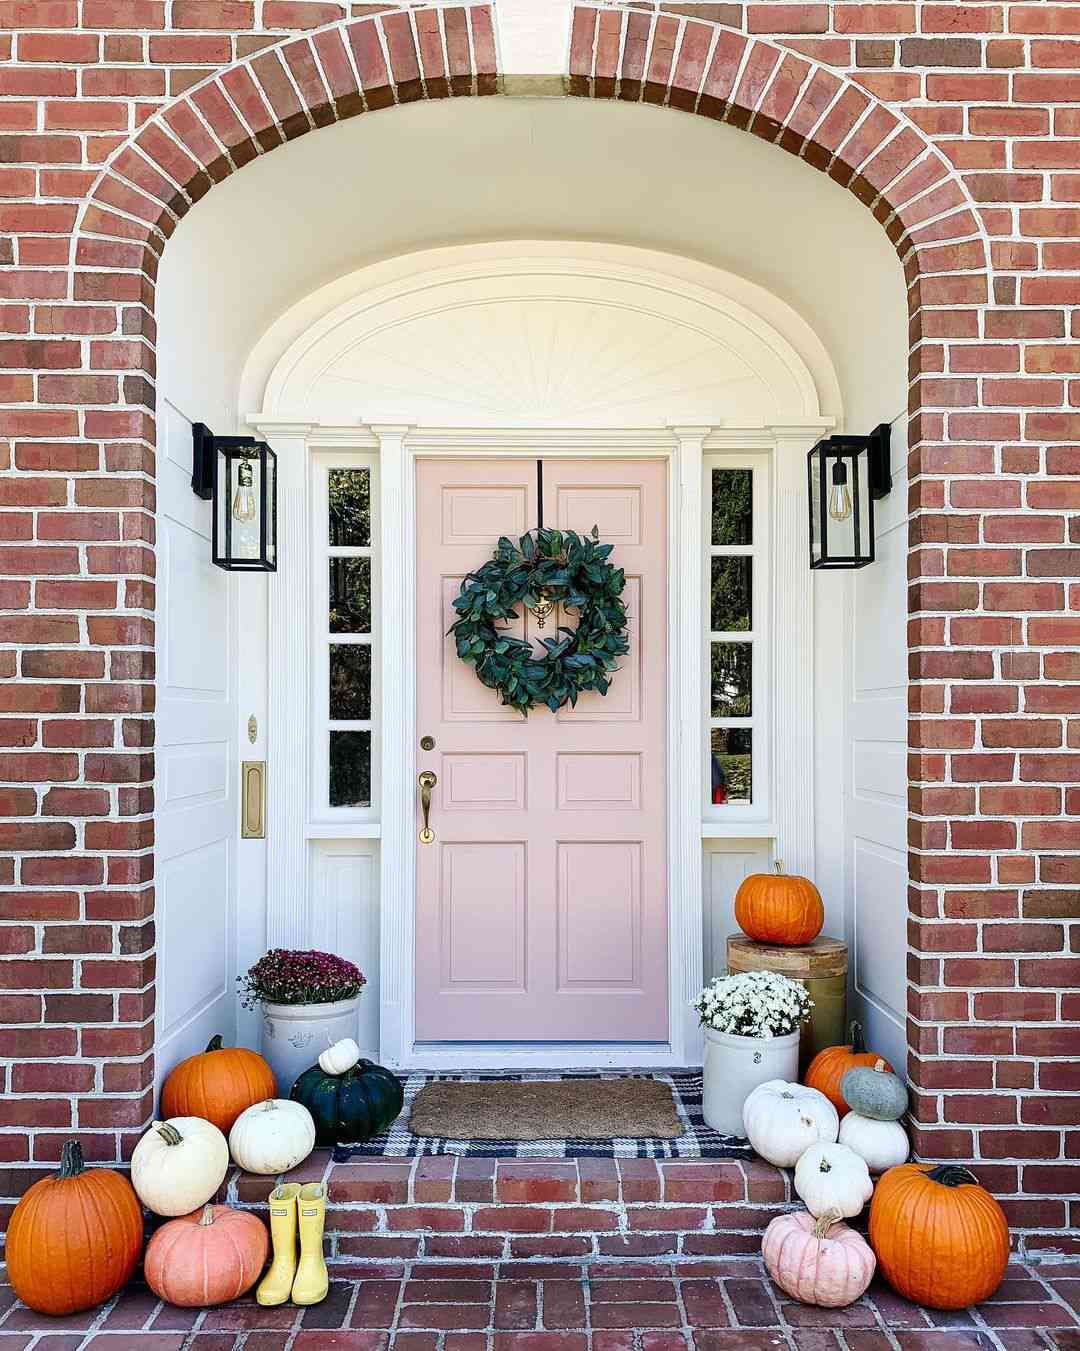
<point>350,682</point>
<point>732,680</point>
<point>732,506</point>
<point>730,600</point>
<point>350,595</point>
<point>350,769</point>
<point>350,507</point>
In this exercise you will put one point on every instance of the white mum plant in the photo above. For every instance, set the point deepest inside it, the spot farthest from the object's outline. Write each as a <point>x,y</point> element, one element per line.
<point>754,1004</point>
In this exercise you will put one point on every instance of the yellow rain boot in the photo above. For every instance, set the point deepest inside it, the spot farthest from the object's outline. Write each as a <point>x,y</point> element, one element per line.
<point>311,1282</point>
<point>275,1286</point>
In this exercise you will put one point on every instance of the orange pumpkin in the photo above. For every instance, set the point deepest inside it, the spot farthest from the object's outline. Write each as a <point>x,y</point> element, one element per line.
<point>208,1257</point>
<point>940,1239</point>
<point>779,908</point>
<point>217,1085</point>
<point>74,1238</point>
<point>828,1067</point>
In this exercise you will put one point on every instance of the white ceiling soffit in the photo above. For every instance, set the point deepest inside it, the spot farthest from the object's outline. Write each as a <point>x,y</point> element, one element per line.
<point>540,334</point>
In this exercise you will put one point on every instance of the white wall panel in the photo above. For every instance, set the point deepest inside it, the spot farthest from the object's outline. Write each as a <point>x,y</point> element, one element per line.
<point>196,766</point>
<point>876,801</point>
<point>727,862</point>
<point>345,918</point>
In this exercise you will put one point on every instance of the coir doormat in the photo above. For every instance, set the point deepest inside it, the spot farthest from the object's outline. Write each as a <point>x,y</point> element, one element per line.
<point>696,1140</point>
<point>528,1109</point>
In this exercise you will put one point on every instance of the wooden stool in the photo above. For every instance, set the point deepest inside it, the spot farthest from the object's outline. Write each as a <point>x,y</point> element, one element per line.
<point>821,966</point>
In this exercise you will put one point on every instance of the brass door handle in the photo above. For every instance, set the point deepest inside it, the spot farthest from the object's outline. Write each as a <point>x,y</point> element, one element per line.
<point>427,782</point>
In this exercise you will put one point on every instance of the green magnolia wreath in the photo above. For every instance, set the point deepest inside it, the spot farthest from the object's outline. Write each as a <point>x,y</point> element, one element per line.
<point>545,568</point>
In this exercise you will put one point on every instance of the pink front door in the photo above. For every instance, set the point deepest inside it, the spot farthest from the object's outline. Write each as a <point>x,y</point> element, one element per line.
<point>541,904</point>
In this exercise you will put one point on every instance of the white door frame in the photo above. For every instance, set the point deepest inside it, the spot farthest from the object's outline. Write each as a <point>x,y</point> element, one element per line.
<point>289,918</point>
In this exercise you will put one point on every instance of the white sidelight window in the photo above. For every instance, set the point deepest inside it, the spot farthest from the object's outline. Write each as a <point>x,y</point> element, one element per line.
<point>737,609</point>
<point>345,589</point>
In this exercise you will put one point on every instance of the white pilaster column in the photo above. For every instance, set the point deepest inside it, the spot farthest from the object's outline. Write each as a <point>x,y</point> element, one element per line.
<point>686,798</point>
<point>793,655</point>
<point>288,698</point>
<point>397,862</point>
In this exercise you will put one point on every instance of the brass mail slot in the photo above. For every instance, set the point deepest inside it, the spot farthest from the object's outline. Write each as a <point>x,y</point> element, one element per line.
<point>253,800</point>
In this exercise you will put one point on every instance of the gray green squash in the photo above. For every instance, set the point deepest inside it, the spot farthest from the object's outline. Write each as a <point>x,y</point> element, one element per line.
<point>873,1091</point>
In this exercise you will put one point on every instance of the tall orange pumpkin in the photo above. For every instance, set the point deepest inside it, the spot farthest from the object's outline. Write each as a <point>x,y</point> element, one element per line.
<point>209,1257</point>
<point>940,1238</point>
<point>828,1067</point>
<point>74,1238</point>
<point>218,1084</point>
<point>779,908</point>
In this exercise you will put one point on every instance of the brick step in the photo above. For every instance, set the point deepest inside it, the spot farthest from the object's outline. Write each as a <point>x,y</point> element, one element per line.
<point>485,1209</point>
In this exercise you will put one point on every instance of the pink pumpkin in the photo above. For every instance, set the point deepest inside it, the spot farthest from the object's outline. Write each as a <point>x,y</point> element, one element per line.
<point>817,1261</point>
<point>208,1257</point>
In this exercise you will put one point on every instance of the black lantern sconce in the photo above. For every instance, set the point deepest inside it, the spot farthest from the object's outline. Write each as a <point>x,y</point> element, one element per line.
<point>845,476</point>
<point>239,475</point>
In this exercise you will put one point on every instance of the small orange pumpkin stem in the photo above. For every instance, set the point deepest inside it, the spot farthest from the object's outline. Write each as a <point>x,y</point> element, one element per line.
<point>858,1042</point>
<point>214,1044</point>
<point>207,1216</point>
<point>169,1134</point>
<point>71,1160</point>
<point>779,865</point>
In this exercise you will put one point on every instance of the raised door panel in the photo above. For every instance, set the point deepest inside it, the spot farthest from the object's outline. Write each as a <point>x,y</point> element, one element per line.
<point>483,915</point>
<point>600,934</point>
<point>464,698</point>
<point>594,781</point>
<point>617,512</point>
<point>474,516</point>
<point>623,701</point>
<point>478,782</point>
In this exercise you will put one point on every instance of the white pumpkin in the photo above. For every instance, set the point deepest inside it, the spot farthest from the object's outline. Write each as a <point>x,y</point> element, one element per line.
<point>340,1057</point>
<point>179,1164</point>
<point>272,1136</point>
<point>883,1144</point>
<point>833,1177</point>
<point>783,1120</point>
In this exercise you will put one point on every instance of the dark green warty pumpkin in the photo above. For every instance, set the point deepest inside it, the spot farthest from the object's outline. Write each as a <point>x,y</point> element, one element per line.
<point>352,1106</point>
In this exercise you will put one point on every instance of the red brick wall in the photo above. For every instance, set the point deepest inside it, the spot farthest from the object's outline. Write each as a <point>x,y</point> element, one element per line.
<point>958,125</point>
<point>976,110</point>
<point>78,255</point>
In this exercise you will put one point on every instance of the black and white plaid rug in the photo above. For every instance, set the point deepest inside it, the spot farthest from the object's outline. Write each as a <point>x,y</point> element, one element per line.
<point>698,1141</point>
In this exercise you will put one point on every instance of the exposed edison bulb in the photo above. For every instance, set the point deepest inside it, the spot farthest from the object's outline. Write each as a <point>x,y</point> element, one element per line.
<point>839,497</point>
<point>243,503</point>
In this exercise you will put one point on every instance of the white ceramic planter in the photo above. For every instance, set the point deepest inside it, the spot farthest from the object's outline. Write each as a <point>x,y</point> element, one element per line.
<point>734,1066</point>
<point>295,1035</point>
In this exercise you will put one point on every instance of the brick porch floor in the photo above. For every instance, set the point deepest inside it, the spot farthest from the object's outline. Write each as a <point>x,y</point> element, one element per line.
<point>444,1254</point>
<point>708,1305</point>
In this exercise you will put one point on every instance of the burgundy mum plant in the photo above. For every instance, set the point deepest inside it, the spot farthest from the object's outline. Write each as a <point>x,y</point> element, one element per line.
<point>291,976</point>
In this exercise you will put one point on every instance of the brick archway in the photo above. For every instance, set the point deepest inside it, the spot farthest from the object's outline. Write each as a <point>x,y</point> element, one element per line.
<point>807,110</point>
<point>352,67</point>
<point>257,104</point>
